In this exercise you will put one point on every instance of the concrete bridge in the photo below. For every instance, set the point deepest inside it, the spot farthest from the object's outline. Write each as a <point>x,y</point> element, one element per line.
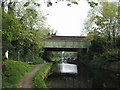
<point>66,43</point>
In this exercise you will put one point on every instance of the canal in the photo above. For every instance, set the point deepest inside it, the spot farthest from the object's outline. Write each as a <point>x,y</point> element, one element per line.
<point>85,78</point>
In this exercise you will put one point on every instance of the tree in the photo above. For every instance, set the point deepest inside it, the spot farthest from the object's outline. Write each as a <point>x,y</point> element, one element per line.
<point>21,36</point>
<point>105,21</point>
<point>24,28</point>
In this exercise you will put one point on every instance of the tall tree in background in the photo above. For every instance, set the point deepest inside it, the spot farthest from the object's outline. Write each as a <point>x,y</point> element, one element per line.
<point>104,19</point>
<point>110,13</point>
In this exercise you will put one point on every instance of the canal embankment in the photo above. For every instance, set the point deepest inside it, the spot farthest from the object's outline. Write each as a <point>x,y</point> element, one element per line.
<point>41,75</point>
<point>109,60</point>
<point>13,72</point>
<point>18,74</point>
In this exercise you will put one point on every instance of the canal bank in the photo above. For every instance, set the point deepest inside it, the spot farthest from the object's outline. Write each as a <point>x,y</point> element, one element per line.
<point>106,61</point>
<point>101,64</point>
<point>41,75</point>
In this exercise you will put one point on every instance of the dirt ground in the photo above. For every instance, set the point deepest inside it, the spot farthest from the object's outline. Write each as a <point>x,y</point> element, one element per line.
<point>26,81</point>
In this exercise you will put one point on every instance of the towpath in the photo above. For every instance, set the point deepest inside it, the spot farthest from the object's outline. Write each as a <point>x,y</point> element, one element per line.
<point>26,81</point>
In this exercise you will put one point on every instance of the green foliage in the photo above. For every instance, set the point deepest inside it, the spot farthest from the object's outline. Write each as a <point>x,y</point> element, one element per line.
<point>118,42</point>
<point>104,19</point>
<point>109,9</point>
<point>97,62</point>
<point>115,66</point>
<point>112,55</point>
<point>11,28</point>
<point>23,37</point>
<point>102,27</point>
<point>97,42</point>
<point>97,46</point>
<point>41,75</point>
<point>13,71</point>
<point>108,57</point>
<point>54,56</point>
<point>38,61</point>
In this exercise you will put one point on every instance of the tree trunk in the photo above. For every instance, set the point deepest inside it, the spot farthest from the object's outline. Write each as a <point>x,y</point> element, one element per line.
<point>114,35</point>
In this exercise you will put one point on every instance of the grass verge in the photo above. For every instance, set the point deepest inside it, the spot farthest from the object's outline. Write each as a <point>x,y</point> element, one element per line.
<point>13,71</point>
<point>41,75</point>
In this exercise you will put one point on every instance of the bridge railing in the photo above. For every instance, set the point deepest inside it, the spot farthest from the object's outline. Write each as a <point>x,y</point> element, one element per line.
<point>66,44</point>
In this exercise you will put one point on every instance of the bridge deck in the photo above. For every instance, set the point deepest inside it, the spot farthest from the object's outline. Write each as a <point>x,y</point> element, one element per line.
<point>67,42</point>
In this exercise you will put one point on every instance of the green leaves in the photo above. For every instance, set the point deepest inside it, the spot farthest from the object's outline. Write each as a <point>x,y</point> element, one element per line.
<point>10,27</point>
<point>25,34</point>
<point>104,19</point>
<point>109,9</point>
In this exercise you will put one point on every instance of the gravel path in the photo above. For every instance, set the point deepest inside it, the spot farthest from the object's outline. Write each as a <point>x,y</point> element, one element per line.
<point>26,81</point>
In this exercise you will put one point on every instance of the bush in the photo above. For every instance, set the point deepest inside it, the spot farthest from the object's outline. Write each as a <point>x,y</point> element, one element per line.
<point>118,41</point>
<point>115,66</point>
<point>38,61</point>
<point>106,58</point>
<point>112,55</point>
<point>13,71</point>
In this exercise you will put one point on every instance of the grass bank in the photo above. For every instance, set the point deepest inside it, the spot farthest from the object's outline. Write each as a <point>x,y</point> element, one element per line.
<point>41,75</point>
<point>13,71</point>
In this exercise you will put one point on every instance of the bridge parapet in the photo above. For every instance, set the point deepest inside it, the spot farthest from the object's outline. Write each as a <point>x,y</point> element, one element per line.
<point>67,42</point>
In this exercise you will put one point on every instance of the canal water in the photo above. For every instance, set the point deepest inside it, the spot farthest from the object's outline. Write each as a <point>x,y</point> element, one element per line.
<point>86,78</point>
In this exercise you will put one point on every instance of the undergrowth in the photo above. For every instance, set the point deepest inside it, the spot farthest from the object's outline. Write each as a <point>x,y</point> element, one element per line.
<point>41,75</point>
<point>13,71</point>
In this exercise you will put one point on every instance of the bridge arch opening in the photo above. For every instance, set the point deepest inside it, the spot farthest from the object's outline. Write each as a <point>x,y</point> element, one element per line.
<point>74,44</point>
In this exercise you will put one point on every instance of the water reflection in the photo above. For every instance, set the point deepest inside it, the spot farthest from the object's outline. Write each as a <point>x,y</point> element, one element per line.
<point>86,78</point>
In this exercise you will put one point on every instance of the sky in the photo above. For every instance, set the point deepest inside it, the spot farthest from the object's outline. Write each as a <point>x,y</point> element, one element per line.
<point>67,21</point>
